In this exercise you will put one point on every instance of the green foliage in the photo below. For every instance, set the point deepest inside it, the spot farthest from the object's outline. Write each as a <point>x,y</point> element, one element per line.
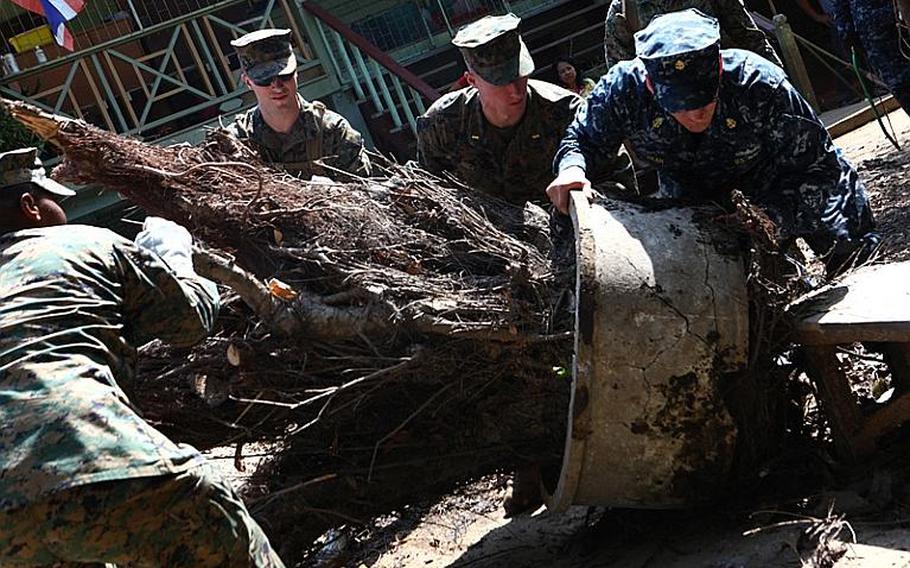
<point>13,135</point>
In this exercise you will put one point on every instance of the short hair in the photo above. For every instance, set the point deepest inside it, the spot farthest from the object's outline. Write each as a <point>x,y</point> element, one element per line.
<point>11,194</point>
<point>579,76</point>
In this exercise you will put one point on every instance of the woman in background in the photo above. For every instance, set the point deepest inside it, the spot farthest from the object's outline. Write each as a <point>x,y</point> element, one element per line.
<point>567,76</point>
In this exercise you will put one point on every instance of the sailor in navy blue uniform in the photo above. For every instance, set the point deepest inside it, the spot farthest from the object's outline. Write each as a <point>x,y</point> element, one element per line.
<point>716,120</point>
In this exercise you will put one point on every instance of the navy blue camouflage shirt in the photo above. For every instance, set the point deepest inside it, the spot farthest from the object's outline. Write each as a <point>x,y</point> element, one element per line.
<point>764,140</point>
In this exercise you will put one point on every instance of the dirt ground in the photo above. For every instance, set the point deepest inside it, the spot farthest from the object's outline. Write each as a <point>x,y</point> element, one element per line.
<point>468,529</point>
<point>886,173</point>
<point>858,517</point>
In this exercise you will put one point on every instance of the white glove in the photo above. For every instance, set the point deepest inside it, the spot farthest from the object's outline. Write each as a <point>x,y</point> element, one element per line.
<point>170,241</point>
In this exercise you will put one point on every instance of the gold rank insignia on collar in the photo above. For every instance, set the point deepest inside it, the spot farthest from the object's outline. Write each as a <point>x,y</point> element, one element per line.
<point>679,65</point>
<point>657,122</point>
<point>731,123</point>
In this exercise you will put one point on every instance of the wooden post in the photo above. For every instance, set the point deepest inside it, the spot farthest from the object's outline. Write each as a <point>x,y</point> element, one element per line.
<point>838,402</point>
<point>793,60</point>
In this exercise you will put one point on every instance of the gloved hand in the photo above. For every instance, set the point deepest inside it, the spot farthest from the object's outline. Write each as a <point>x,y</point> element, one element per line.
<point>848,253</point>
<point>170,241</point>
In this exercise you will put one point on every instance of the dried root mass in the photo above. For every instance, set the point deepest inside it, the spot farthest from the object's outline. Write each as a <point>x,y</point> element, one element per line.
<point>424,340</point>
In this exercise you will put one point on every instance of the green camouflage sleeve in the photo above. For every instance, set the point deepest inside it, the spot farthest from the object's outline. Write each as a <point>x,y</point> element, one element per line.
<point>241,126</point>
<point>433,145</point>
<point>346,145</point>
<point>738,25</point>
<point>619,45</point>
<point>179,310</point>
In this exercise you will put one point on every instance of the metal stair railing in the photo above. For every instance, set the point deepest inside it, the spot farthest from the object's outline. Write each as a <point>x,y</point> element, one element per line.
<point>371,73</point>
<point>163,80</point>
<point>127,84</point>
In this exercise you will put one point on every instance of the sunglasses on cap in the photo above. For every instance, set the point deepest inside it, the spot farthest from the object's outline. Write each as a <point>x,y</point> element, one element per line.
<point>267,82</point>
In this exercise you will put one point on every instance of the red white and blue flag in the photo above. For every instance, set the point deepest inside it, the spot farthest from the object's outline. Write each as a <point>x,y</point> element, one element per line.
<point>58,13</point>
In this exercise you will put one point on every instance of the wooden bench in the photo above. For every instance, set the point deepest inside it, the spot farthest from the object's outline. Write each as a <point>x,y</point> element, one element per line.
<point>870,305</point>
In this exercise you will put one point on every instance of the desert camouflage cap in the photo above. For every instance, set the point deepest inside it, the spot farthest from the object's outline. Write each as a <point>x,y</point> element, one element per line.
<point>23,166</point>
<point>493,49</point>
<point>681,52</point>
<point>265,54</point>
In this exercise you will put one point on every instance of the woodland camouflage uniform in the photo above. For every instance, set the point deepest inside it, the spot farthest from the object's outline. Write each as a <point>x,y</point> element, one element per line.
<point>83,478</point>
<point>512,163</point>
<point>320,136</point>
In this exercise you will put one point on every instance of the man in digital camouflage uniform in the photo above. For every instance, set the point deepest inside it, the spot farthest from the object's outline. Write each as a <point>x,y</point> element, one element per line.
<point>498,134</point>
<point>83,479</point>
<point>284,128</point>
<point>737,28</point>
<point>715,120</point>
<point>873,26</point>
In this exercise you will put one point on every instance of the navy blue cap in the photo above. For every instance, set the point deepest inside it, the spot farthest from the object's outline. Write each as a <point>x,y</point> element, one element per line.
<point>681,52</point>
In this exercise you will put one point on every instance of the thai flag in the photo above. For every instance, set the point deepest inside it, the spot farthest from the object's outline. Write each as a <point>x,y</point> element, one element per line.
<point>58,13</point>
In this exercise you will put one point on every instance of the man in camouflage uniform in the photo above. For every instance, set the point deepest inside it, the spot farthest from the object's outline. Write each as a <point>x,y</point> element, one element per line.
<point>737,28</point>
<point>83,479</point>
<point>873,25</point>
<point>304,137</point>
<point>498,134</point>
<point>710,131</point>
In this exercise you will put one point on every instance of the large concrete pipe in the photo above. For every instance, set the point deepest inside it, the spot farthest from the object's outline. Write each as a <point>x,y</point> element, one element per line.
<point>661,315</point>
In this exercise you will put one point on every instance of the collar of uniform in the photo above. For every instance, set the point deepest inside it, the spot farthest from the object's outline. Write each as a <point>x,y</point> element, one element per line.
<point>723,121</point>
<point>478,124</point>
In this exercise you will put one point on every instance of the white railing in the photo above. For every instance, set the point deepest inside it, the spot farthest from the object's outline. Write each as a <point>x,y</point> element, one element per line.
<point>371,73</point>
<point>172,75</point>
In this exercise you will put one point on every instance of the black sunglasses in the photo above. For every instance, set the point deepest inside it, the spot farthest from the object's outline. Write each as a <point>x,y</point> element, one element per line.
<point>270,80</point>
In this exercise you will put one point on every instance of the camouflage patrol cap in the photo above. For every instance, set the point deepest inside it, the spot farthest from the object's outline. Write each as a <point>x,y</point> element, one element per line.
<point>265,54</point>
<point>493,49</point>
<point>23,166</point>
<point>681,52</point>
